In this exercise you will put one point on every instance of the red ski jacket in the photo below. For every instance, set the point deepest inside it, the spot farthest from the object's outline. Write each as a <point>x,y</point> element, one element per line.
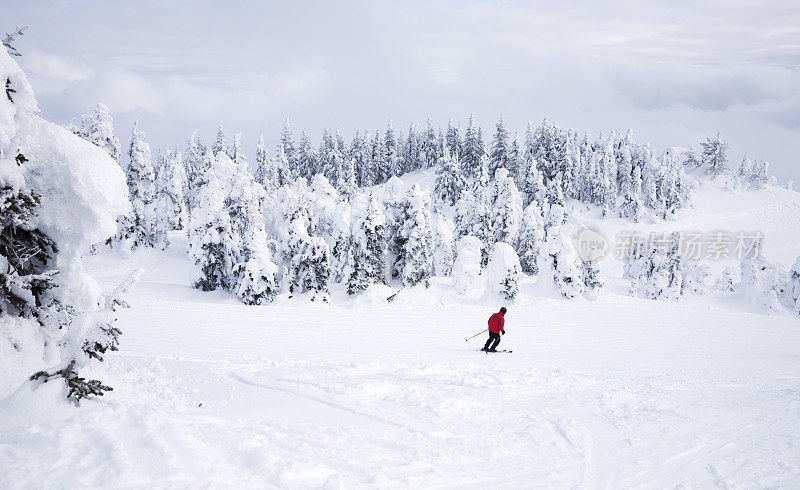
<point>497,323</point>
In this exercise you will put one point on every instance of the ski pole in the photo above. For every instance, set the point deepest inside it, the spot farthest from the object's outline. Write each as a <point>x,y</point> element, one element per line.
<point>476,334</point>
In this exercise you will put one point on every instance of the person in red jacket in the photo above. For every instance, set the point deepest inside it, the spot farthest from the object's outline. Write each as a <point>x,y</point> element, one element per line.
<point>497,326</point>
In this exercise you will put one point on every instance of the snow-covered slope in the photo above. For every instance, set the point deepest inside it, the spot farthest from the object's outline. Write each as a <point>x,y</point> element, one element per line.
<point>617,392</point>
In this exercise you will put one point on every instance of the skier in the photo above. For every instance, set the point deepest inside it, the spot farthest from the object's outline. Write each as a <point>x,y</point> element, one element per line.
<point>497,324</point>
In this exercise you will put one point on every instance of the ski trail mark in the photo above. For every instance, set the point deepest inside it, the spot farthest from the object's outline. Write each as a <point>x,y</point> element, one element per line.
<point>313,398</point>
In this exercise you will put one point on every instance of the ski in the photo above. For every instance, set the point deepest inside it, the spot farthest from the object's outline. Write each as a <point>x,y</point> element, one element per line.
<point>496,352</point>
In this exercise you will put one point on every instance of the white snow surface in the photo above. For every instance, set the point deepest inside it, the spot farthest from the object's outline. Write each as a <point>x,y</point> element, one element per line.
<point>614,393</point>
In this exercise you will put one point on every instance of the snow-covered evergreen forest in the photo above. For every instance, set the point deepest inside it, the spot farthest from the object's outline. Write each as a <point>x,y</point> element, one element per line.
<point>321,230</point>
<point>303,216</point>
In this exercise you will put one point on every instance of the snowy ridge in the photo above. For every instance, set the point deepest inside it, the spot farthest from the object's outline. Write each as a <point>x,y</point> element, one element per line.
<point>359,393</point>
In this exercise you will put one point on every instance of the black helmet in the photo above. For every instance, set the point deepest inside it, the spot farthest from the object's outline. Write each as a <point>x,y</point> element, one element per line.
<point>503,310</point>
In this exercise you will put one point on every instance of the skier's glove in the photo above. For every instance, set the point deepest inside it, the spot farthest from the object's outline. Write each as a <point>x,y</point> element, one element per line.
<point>503,332</point>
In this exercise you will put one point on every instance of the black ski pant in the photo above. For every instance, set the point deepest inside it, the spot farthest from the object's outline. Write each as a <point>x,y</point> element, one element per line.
<point>492,337</point>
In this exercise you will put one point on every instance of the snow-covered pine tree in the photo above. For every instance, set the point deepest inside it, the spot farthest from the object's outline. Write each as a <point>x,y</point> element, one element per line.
<point>691,160</point>
<point>467,266</point>
<point>450,182</point>
<point>745,172</point>
<point>534,188</point>
<point>527,156</point>
<point>310,266</point>
<point>635,209</point>
<point>228,240</point>
<point>695,276</point>
<point>441,144</point>
<point>359,156</point>
<point>170,206</point>
<point>241,204</point>
<point>212,244</point>
<point>194,167</point>
<point>58,195</point>
<point>443,241</point>
<point>374,228</point>
<point>637,267</point>
<point>346,184</point>
<point>592,282</point>
<point>287,203</point>
<point>793,287</point>
<point>283,172</point>
<point>473,150</point>
<point>453,139</point>
<point>627,206</point>
<point>369,249</point>
<point>430,151</point>
<point>325,147</point>
<point>287,143</point>
<point>482,178</point>
<point>557,259</point>
<point>587,173</point>
<point>515,163</point>
<point>10,40</point>
<point>629,181</point>
<point>572,165</point>
<point>393,199</point>
<point>506,208</point>
<point>394,160</point>
<point>549,150</point>
<point>670,188</point>
<point>253,272</point>
<point>412,151</point>
<point>715,155</point>
<point>764,283</point>
<point>256,275</point>
<point>341,145</point>
<point>657,270</point>
<point>555,190</point>
<point>98,128</point>
<point>474,214</point>
<point>530,238</point>
<point>652,174</point>
<point>333,168</point>
<point>503,271</point>
<point>379,171</point>
<point>760,175</point>
<point>306,157</point>
<point>27,257</point>
<point>237,153</point>
<point>266,173</point>
<point>338,232</point>
<point>727,280</point>
<point>416,258</point>
<point>608,174</point>
<point>499,156</point>
<point>205,162</point>
<point>220,144</point>
<point>358,279</point>
<point>138,229</point>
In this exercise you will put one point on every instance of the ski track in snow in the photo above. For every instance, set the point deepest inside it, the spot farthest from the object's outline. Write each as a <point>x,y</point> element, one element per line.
<point>618,393</point>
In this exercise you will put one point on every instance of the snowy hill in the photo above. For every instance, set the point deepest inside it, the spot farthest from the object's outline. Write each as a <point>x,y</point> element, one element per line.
<point>361,393</point>
<point>261,349</point>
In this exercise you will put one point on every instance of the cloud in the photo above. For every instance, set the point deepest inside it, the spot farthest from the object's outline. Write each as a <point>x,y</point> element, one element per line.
<point>674,71</point>
<point>53,73</point>
<point>706,88</point>
<point>785,113</point>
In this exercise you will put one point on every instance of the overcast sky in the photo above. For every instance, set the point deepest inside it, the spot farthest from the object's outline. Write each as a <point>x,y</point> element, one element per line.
<point>674,71</point>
